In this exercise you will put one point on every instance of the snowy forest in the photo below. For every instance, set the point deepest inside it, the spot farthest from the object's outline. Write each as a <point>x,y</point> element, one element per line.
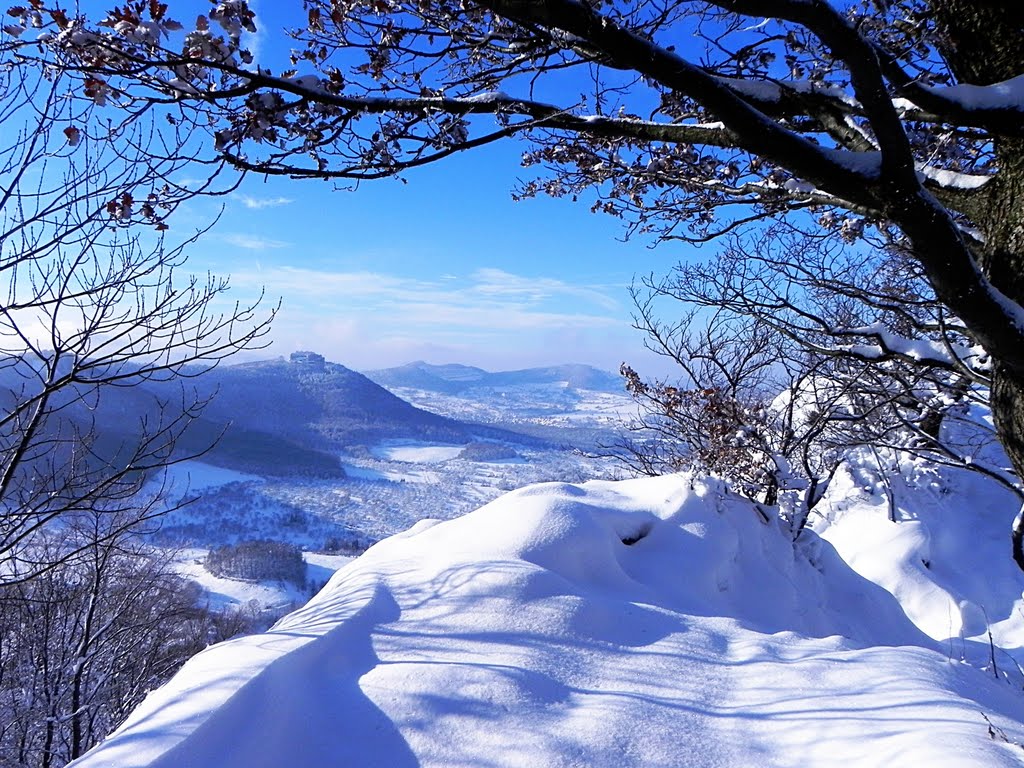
<point>815,549</point>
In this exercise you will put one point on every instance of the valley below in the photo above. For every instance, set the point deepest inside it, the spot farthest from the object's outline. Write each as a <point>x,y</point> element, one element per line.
<point>519,432</point>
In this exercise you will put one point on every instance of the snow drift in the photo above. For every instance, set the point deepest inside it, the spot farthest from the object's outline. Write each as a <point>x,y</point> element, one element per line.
<point>655,622</point>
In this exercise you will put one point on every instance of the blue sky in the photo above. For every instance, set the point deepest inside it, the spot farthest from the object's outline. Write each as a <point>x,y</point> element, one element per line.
<point>445,268</point>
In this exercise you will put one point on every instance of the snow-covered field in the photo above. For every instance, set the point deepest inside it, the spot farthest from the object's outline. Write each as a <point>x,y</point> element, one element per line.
<point>655,622</point>
<point>274,597</point>
<point>579,415</point>
<point>387,489</point>
<point>195,475</point>
<point>417,453</point>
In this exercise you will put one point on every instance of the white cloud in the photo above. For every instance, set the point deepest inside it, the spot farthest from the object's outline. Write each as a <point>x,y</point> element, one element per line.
<point>491,318</point>
<point>251,242</point>
<point>254,42</point>
<point>364,342</point>
<point>488,299</point>
<point>506,316</point>
<point>259,203</point>
<point>497,282</point>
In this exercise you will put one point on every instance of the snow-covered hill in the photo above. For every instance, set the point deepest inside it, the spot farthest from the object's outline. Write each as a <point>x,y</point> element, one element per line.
<point>655,622</point>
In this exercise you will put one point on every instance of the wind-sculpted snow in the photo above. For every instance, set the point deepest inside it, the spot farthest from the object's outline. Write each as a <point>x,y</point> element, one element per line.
<point>656,622</point>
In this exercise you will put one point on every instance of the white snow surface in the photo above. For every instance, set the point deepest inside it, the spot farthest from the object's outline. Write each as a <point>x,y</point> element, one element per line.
<point>1008,94</point>
<point>416,452</point>
<point>194,475</point>
<point>653,622</point>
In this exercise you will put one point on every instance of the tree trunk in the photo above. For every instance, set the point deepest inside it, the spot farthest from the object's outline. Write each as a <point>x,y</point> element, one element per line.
<point>983,42</point>
<point>1003,262</point>
<point>981,38</point>
<point>1008,414</point>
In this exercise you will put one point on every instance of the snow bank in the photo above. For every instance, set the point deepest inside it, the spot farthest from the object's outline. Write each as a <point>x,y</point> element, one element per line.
<point>939,541</point>
<point>656,622</point>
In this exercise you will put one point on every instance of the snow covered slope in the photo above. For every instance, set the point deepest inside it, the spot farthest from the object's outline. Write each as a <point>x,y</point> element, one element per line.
<point>656,622</point>
<point>938,540</point>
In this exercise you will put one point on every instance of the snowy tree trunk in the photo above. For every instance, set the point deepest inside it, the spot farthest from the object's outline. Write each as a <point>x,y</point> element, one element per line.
<point>983,48</point>
<point>1003,260</point>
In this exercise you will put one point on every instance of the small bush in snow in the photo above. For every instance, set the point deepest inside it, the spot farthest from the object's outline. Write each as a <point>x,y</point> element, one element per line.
<point>488,452</point>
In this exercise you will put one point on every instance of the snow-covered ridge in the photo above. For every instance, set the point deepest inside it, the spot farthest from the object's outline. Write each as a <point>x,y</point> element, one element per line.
<point>655,622</point>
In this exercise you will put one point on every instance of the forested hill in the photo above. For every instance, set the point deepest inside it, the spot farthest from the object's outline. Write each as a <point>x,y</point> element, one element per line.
<point>272,417</point>
<point>328,401</point>
<point>317,406</point>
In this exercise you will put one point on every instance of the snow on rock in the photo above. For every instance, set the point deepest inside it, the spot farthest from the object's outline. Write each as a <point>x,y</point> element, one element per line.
<point>654,622</point>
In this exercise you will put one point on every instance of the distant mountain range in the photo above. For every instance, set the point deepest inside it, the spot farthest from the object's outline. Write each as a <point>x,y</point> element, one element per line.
<point>285,417</point>
<point>274,417</point>
<point>457,379</point>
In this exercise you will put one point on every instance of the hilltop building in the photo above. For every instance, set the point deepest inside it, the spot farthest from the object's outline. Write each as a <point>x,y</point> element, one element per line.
<point>309,359</point>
